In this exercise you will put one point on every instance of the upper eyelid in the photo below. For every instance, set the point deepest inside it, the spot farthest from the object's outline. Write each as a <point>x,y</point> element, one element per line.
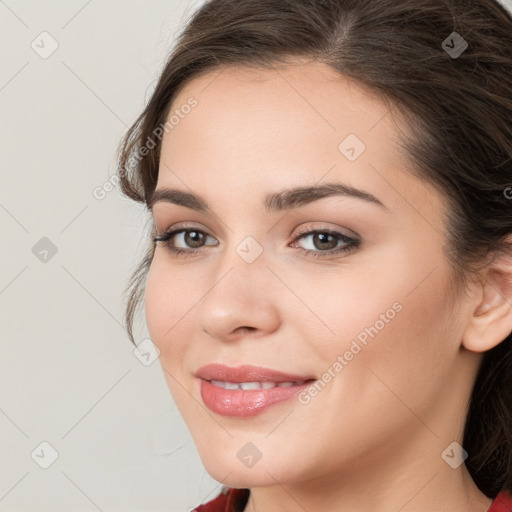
<point>303,233</point>
<point>178,228</point>
<point>341,231</point>
<point>184,225</point>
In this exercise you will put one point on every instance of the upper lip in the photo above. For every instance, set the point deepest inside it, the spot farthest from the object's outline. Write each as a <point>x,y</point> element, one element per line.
<point>246,373</point>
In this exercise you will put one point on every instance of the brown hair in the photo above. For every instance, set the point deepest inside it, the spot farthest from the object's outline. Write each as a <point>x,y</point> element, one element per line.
<point>458,107</point>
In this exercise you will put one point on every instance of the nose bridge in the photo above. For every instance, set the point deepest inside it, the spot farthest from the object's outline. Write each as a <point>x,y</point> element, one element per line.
<point>238,296</point>
<point>245,254</point>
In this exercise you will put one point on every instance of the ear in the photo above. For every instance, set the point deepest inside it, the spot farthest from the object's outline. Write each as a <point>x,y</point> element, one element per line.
<point>491,319</point>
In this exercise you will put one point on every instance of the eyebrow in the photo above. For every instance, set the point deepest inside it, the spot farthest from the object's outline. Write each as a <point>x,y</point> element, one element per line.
<point>274,202</point>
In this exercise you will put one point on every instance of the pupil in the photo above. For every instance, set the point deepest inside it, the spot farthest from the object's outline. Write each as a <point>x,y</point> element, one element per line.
<point>324,238</point>
<point>193,237</point>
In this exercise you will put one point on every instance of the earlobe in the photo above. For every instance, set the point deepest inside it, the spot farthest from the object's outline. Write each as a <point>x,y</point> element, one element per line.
<point>491,320</point>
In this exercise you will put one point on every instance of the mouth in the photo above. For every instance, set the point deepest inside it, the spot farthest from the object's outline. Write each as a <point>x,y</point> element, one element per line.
<point>246,391</point>
<point>256,384</point>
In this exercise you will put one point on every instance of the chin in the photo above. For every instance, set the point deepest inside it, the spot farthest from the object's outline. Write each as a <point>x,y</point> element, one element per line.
<point>240,478</point>
<point>229,470</point>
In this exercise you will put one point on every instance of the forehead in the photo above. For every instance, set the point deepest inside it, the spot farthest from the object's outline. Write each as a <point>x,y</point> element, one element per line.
<point>286,113</point>
<point>313,93</point>
<point>253,127</point>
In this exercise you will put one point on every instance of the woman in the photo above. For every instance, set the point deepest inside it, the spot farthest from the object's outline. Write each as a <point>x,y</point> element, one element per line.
<point>329,281</point>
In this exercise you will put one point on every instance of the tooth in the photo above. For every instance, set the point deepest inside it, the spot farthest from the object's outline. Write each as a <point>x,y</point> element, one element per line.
<point>250,385</point>
<point>255,385</point>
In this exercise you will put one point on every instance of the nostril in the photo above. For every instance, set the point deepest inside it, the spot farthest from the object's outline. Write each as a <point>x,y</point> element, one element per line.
<point>247,328</point>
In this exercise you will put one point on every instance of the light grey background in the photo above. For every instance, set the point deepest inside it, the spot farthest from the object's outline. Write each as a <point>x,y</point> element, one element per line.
<point>68,373</point>
<point>69,376</point>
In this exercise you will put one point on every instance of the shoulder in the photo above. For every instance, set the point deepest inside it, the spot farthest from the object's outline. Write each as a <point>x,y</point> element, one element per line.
<point>502,503</point>
<point>229,500</point>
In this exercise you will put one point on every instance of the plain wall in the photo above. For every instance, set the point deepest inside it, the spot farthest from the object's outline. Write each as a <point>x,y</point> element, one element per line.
<point>69,375</point>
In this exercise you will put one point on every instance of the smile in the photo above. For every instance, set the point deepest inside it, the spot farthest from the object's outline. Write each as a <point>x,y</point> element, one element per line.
<point>247,390</point>
<point>255,385</point>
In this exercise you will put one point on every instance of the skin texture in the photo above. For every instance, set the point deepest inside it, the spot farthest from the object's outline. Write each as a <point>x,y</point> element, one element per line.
<point>372,439</point>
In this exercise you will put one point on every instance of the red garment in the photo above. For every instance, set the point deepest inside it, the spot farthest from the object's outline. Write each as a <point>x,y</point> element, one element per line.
<point>502,503</point>
<point>229,500</point>
<point>234,500</point>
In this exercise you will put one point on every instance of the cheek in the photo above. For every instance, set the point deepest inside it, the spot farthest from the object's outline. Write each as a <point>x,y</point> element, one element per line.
<point>167,301</point>
<point>393,318</point>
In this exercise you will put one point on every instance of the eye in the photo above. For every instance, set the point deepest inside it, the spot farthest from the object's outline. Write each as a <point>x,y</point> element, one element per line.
<point>327,242</point>
<point>192,237</point>
<point>321,243</point>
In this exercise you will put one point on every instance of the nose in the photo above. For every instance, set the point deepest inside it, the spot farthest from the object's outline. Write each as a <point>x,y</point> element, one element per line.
<point>239,301</point>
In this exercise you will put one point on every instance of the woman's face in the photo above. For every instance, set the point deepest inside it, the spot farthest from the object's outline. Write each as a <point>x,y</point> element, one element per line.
<point>366,312</point>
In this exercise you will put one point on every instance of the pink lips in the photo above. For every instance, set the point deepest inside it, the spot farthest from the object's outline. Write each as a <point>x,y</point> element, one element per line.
<point>242,402</point>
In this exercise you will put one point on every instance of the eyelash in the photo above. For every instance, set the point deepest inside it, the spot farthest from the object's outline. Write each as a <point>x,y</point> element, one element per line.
<point>352,244</point>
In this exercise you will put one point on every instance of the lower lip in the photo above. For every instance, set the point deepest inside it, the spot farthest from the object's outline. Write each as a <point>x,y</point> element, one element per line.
<point>243,403</point>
